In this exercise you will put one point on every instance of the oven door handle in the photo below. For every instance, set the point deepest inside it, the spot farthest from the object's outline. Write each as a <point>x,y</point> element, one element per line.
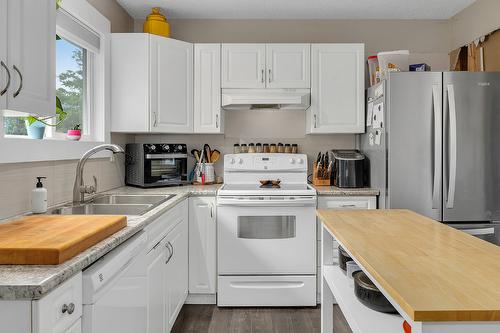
<point>164,156</point>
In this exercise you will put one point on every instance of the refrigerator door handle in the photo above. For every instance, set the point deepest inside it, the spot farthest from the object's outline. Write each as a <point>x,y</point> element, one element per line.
<point>452,154</point>
<point>436,94</point>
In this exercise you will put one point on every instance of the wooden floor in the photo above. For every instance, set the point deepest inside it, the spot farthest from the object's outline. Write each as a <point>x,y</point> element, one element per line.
<point>209,318</point>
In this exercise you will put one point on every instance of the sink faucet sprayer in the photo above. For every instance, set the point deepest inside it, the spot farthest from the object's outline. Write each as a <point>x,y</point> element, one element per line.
<point>79,188</point>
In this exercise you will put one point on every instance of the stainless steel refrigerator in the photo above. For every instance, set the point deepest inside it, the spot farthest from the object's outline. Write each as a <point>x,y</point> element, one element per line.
<point>437,148</point>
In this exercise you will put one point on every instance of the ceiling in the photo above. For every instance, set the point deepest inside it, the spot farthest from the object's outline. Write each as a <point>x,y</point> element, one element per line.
<point>299,9</point>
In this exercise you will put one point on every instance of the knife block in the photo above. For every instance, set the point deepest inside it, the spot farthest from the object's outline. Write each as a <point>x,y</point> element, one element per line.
<point>319,181</point>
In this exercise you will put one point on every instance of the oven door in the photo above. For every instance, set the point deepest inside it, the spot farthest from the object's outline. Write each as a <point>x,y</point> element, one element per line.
<point>266,236</point>
<point>165,168</point>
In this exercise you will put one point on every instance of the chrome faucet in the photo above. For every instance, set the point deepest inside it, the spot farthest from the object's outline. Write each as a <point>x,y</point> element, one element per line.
<point>79,188</point>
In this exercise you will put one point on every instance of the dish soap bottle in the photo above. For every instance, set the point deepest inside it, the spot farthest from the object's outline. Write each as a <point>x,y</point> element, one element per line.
<point>39,197</point>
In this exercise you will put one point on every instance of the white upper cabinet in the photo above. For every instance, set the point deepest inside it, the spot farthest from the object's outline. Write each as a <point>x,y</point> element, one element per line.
<point>337,89</point>
<point>27,50</point>
<point>243,65</point>
<point>208,115</point>
<point>151,84</point>
<point>288,65</point>
<point>171,85</point>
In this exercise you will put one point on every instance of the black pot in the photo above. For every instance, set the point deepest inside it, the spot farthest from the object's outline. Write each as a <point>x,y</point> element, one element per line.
<point>370,295</point>
<point>343,258</point>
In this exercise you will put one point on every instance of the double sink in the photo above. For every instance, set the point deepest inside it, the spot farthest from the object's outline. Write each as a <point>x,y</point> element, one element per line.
<point>114,204</point>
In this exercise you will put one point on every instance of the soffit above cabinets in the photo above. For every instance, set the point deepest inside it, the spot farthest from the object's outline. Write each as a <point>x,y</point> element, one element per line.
<point>299,9</point>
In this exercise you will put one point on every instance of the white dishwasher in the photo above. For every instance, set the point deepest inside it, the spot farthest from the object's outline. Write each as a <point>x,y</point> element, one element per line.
<point>114,290</point>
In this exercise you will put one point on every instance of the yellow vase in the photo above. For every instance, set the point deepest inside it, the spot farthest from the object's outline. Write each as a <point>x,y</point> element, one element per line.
<point>157,24</point>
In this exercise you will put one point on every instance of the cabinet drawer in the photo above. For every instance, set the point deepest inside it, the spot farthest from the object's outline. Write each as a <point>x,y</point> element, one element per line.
<point>60,309</point>
<point>166,222</point>
<point>347,203</point>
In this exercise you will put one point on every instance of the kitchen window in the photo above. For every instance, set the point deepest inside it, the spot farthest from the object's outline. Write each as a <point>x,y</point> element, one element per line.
<point>82,81</point>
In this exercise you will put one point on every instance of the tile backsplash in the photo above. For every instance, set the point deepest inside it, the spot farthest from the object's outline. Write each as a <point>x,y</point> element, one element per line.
<point>18,179</point>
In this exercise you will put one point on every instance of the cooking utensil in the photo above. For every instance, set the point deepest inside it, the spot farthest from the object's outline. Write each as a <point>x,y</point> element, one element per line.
<point>214,157</point>
<point>368,294</point>
<point>270,183</point>
<point>196,154</point>
<point>208,152</point>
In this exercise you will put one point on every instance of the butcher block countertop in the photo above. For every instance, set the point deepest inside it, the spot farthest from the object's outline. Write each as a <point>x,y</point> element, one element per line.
<point>53,239</point>
<point>434,272</point>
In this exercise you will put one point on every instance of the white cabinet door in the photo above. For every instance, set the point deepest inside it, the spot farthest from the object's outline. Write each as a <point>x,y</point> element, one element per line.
<point>288,65</point>
<point>208,117</point>
<point>31,38</point>
<point>3,57</point>
<point>337,89</point>
<point>202,245</point>
<point>171,85</point>
<point>176,273</point>
<point>243,65</point>
<point>156,258</point>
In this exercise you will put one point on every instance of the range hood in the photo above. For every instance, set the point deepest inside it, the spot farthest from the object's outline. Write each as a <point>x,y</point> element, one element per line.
<point>266,99</point>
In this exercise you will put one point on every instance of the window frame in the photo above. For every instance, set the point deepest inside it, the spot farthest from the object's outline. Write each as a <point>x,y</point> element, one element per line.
<point>17,149</point>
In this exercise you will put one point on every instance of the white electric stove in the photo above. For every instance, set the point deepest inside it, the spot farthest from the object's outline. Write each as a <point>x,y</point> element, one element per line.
<point>266,235</point>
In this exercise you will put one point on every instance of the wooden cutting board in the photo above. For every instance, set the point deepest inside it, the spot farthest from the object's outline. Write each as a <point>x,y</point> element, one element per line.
<point>52,239</point>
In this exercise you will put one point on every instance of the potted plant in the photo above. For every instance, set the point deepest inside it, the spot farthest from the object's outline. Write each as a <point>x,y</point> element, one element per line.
<point>35,126</point>
<point>74,134</point>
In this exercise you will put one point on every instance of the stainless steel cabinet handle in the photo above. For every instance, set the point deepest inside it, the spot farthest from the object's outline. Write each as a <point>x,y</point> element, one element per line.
<point>450,202</point>
<point>270,78</point>
<point>155,121</point>
<point>436,186</point>
<point>20,82</point>
<point>69,308</point>
<point>211,211</point>
<point>347,206</point>
<point>4,90</point>
<point>216,121</point>
<point>315,121</point>
<point>262,76</point>
<point>170,250</point>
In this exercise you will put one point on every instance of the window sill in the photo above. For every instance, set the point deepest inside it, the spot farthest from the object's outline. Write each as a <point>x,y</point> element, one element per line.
<point>19,149</point>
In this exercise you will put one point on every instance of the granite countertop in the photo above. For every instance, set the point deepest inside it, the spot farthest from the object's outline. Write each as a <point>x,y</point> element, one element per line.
<point>340,192</point>
<point>19,282</point>
<point>24,282</point>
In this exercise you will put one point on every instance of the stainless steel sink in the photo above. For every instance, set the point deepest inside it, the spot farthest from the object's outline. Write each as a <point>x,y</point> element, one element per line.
<point>127,199</point>
<point>93,209</point>
<point>115,204</point>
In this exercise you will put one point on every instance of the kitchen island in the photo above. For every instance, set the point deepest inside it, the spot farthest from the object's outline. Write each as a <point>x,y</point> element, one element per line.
<point>440,280</point>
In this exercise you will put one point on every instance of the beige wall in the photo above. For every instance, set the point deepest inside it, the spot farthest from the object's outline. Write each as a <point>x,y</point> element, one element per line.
<point>479,19</point>
<point>120,20</point>
<point>428,41</point>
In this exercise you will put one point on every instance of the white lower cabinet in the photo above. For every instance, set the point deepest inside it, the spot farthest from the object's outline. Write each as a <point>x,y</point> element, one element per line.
<point>60,310</point>
<point>176,273</point>
<point>202,245</point>
<point>330,202</point>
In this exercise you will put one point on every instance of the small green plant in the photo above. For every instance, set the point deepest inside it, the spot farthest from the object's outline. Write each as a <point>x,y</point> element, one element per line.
<point>60,115</point>
<point>76,127</point>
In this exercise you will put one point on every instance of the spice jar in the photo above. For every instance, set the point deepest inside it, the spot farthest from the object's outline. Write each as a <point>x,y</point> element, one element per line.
<point>244,148</point>
<point>265,148</point>
<point>295,148</point>
<point>258,148</point>
<point>236,149</point>
<point>281,148</point>
<point>251,148</point>
<point>272,148</point>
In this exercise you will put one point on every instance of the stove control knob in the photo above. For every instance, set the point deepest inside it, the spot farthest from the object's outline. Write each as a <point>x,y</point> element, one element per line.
<point>231,161</point>
<point>300,161</point>
<point>166,148</point>
<point>240,160</point>
<point>292,161</point>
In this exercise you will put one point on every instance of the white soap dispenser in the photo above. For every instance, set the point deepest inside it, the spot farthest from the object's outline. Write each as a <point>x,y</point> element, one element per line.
<point>39,197</point>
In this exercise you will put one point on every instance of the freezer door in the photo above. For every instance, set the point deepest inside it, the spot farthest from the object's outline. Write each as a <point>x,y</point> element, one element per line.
<point>414,126</point>
<point>471,187</point>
